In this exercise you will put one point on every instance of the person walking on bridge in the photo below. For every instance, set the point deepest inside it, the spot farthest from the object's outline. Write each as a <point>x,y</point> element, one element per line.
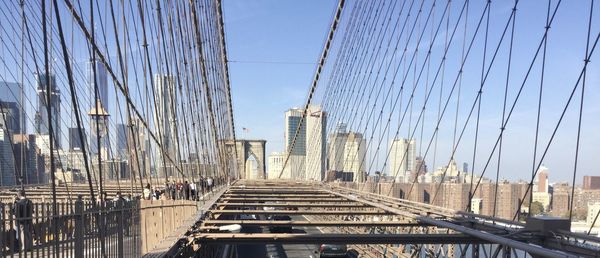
<point>23,217</point>
<point>193,191</point>
<point>147,192</point>
<point>209,183</point>
<point>186,190</point>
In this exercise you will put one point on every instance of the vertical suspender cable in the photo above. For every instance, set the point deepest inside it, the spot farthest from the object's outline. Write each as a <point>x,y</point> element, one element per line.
<point>50,129</point>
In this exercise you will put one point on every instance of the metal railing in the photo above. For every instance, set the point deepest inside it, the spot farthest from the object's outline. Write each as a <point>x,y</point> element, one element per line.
<point>82,229</point>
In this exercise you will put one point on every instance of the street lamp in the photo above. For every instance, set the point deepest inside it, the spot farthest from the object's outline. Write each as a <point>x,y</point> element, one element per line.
<point>99,124</point>
<point>99,119</point>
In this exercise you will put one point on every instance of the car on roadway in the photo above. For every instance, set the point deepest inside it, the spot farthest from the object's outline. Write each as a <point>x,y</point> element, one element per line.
<point>281,228</point>
<point>247,216</point>
<point>333,250</point>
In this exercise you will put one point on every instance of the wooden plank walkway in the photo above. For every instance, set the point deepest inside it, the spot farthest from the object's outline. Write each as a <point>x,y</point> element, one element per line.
<point>163,246</point>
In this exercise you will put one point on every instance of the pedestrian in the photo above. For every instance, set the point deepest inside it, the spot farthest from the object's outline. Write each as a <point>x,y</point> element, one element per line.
<point>167,189</point>
<point>202,185</point>
<point>209,183</point>
<point>24,220</point>
<point>186,190</point>
<point>179,188</point>
<point>172,191</point>
<point>156,194</point>
<point>147,192</point>
<point>193,190</point>
<point>118,198</point>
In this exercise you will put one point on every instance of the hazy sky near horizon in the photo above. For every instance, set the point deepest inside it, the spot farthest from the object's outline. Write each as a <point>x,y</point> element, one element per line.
<point>274,46</point>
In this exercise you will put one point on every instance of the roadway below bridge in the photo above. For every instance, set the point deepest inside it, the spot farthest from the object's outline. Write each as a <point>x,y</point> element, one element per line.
<point>278,250</point>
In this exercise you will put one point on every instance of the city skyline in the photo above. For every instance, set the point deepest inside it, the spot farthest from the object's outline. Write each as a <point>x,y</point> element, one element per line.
<point>289,64</point>
<point>268,128</point>
<point>294,70</point>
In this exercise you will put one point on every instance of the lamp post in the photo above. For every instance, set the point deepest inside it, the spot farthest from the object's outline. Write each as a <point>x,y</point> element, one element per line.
<point>99,119</point>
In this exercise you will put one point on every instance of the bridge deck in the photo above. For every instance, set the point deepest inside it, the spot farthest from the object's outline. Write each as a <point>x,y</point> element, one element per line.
<point>364,221</point>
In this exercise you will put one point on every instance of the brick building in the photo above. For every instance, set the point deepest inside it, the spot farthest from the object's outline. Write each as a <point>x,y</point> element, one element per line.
<point>591,182</point>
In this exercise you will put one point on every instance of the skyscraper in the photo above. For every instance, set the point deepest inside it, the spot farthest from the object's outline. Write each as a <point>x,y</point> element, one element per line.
<point>12,107</point>
<point>292,120</point>
<point>296,162</point>
<point>10,92</point>
<point>165,121</point>
<point>101,80</point>
<point>307,159</point>
<point>7,160</point>
<point>75,140</point>
<point>316,124</point>
<point>402,158</point>
<point>121,141</point>
<point>10,117</point>
<point>355,151</point>
<point>337,143</point>
<point>26,158</point>
<point>42,125</point>
<point>347,153</point>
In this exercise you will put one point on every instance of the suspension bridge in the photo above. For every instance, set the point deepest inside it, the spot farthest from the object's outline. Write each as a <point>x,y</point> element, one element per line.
<point>118,135</point>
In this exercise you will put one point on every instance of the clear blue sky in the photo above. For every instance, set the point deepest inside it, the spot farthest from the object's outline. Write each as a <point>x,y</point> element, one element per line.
<point>294,31</point>
<point>272,31</point>
<point>274,45</point>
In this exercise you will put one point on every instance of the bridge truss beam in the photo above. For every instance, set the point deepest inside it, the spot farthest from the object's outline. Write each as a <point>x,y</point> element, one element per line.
<point>360,218</point>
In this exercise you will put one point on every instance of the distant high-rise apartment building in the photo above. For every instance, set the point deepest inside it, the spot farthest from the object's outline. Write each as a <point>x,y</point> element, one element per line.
<point>591,182</point>
<point>165,123</point>
<point>402,158</point>
<point>42,123</point>
<point>75,142</point>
